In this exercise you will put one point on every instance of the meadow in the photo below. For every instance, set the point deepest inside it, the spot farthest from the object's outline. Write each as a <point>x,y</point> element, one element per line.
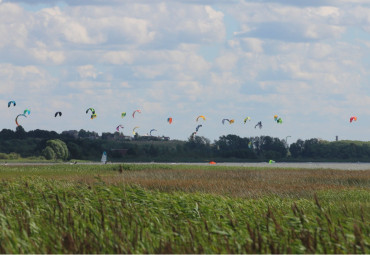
<point>150,208</point>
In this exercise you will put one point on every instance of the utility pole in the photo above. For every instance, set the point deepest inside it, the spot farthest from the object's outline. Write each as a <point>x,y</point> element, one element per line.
<point>287,147</point>
<point>286,140</point>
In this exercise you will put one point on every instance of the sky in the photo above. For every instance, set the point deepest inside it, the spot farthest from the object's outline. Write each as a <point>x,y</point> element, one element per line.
<point>306,61</point>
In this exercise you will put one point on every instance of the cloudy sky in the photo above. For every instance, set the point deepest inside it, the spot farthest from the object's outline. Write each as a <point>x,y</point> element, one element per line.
<point>306,61</point>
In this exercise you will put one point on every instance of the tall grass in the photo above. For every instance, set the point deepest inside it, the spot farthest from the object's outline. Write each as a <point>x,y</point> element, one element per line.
<point>107,209</point>
<point>232,181</point>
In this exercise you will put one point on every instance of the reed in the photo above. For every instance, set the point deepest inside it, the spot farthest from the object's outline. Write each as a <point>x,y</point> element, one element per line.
<point>182,209</point>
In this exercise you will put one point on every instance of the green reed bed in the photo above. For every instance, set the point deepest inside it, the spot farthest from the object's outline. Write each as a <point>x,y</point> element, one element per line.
<point>43,210</point>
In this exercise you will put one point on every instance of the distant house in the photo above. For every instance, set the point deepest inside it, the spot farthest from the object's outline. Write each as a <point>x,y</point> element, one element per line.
<point>152,138</point>
<point>72,133</point>
<point>165,138</point>
<point>127,137</point>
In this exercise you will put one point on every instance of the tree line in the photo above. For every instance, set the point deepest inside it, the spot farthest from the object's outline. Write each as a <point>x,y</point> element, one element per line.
<point>87,145</point>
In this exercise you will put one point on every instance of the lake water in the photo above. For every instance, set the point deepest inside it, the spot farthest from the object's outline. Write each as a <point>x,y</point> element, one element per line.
<point>305,165</point>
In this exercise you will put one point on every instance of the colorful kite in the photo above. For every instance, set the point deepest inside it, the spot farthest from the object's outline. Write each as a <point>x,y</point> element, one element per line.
<point>16,119</point>
<point>133,114</point>
<point>133,131</point>
<point>90,109</point>
<point>246,119</point>
<point>150,133</point>
<point>10,103</point>
<point>353,118</point>
<point>27,111</point>
<point>118,127</point>
<point>201,116</point>
<point>259,124</point>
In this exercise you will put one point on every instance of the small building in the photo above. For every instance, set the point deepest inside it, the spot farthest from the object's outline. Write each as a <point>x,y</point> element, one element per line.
<point>72,133</point>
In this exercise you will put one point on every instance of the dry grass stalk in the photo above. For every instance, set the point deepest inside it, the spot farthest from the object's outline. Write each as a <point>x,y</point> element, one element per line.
<point>237,182</point>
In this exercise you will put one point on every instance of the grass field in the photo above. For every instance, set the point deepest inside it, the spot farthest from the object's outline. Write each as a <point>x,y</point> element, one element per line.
<point>182,209</point>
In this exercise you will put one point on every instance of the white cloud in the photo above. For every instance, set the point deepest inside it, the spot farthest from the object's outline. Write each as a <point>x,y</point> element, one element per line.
<point>125,85</point>
<point>118,57</point>
<point>13,26</point>
<point>149,72</point>
<point>87,71</point>
<point>56,24</point>
<point>41,53</point>
<point>283,22</point>
<point>299,59</point>
<point>23,78</point>
<point>320,50</point>
<point>89,86</point>
<point>252,44</point>
<point>227,61</point>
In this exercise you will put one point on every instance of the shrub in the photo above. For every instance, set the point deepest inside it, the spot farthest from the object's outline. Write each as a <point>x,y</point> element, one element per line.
<point>58,147</point>
<point>48,153</point>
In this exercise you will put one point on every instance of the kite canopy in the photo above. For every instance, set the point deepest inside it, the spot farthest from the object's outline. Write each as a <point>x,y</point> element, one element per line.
<point>353,118</point>
<point>278,120</point>
<point>246,119</point>
<point>201,116</point>
<point>259,124</point>
<point>230,121</point>
<point>192,135</point>
<point>123,114</point>
<point>150,133</point>
<point>27,111</point>
<point>133,114</point>
<point>58,113</point>
<point>133,131</point>
<point>10,103</point>
<point>197,128</point>
<point>169,120</point>
<point>16,119</point>
<point>118,127</point>
<point>90,109</point>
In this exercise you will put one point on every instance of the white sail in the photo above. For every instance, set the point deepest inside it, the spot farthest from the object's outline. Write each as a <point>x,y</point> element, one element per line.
<point>104,157</point>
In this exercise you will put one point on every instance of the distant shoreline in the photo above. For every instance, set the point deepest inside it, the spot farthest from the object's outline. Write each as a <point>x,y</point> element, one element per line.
<point>300,165</point>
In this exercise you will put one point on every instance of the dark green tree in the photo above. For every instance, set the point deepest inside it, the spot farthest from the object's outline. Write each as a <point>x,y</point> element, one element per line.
<point>296,148</point>
<point>20,133</point>
<point>234,146</point>
<point>48,153</point>
<point>38,133</point>
<point>59,147</point>
<point>7,134</point>
<point>82,134</point>
<point>75,150</point>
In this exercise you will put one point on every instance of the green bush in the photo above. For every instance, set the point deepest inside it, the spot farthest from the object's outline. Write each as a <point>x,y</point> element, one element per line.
<point>49,153</point>
<point>58,147</point>
<point>11,155</point>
